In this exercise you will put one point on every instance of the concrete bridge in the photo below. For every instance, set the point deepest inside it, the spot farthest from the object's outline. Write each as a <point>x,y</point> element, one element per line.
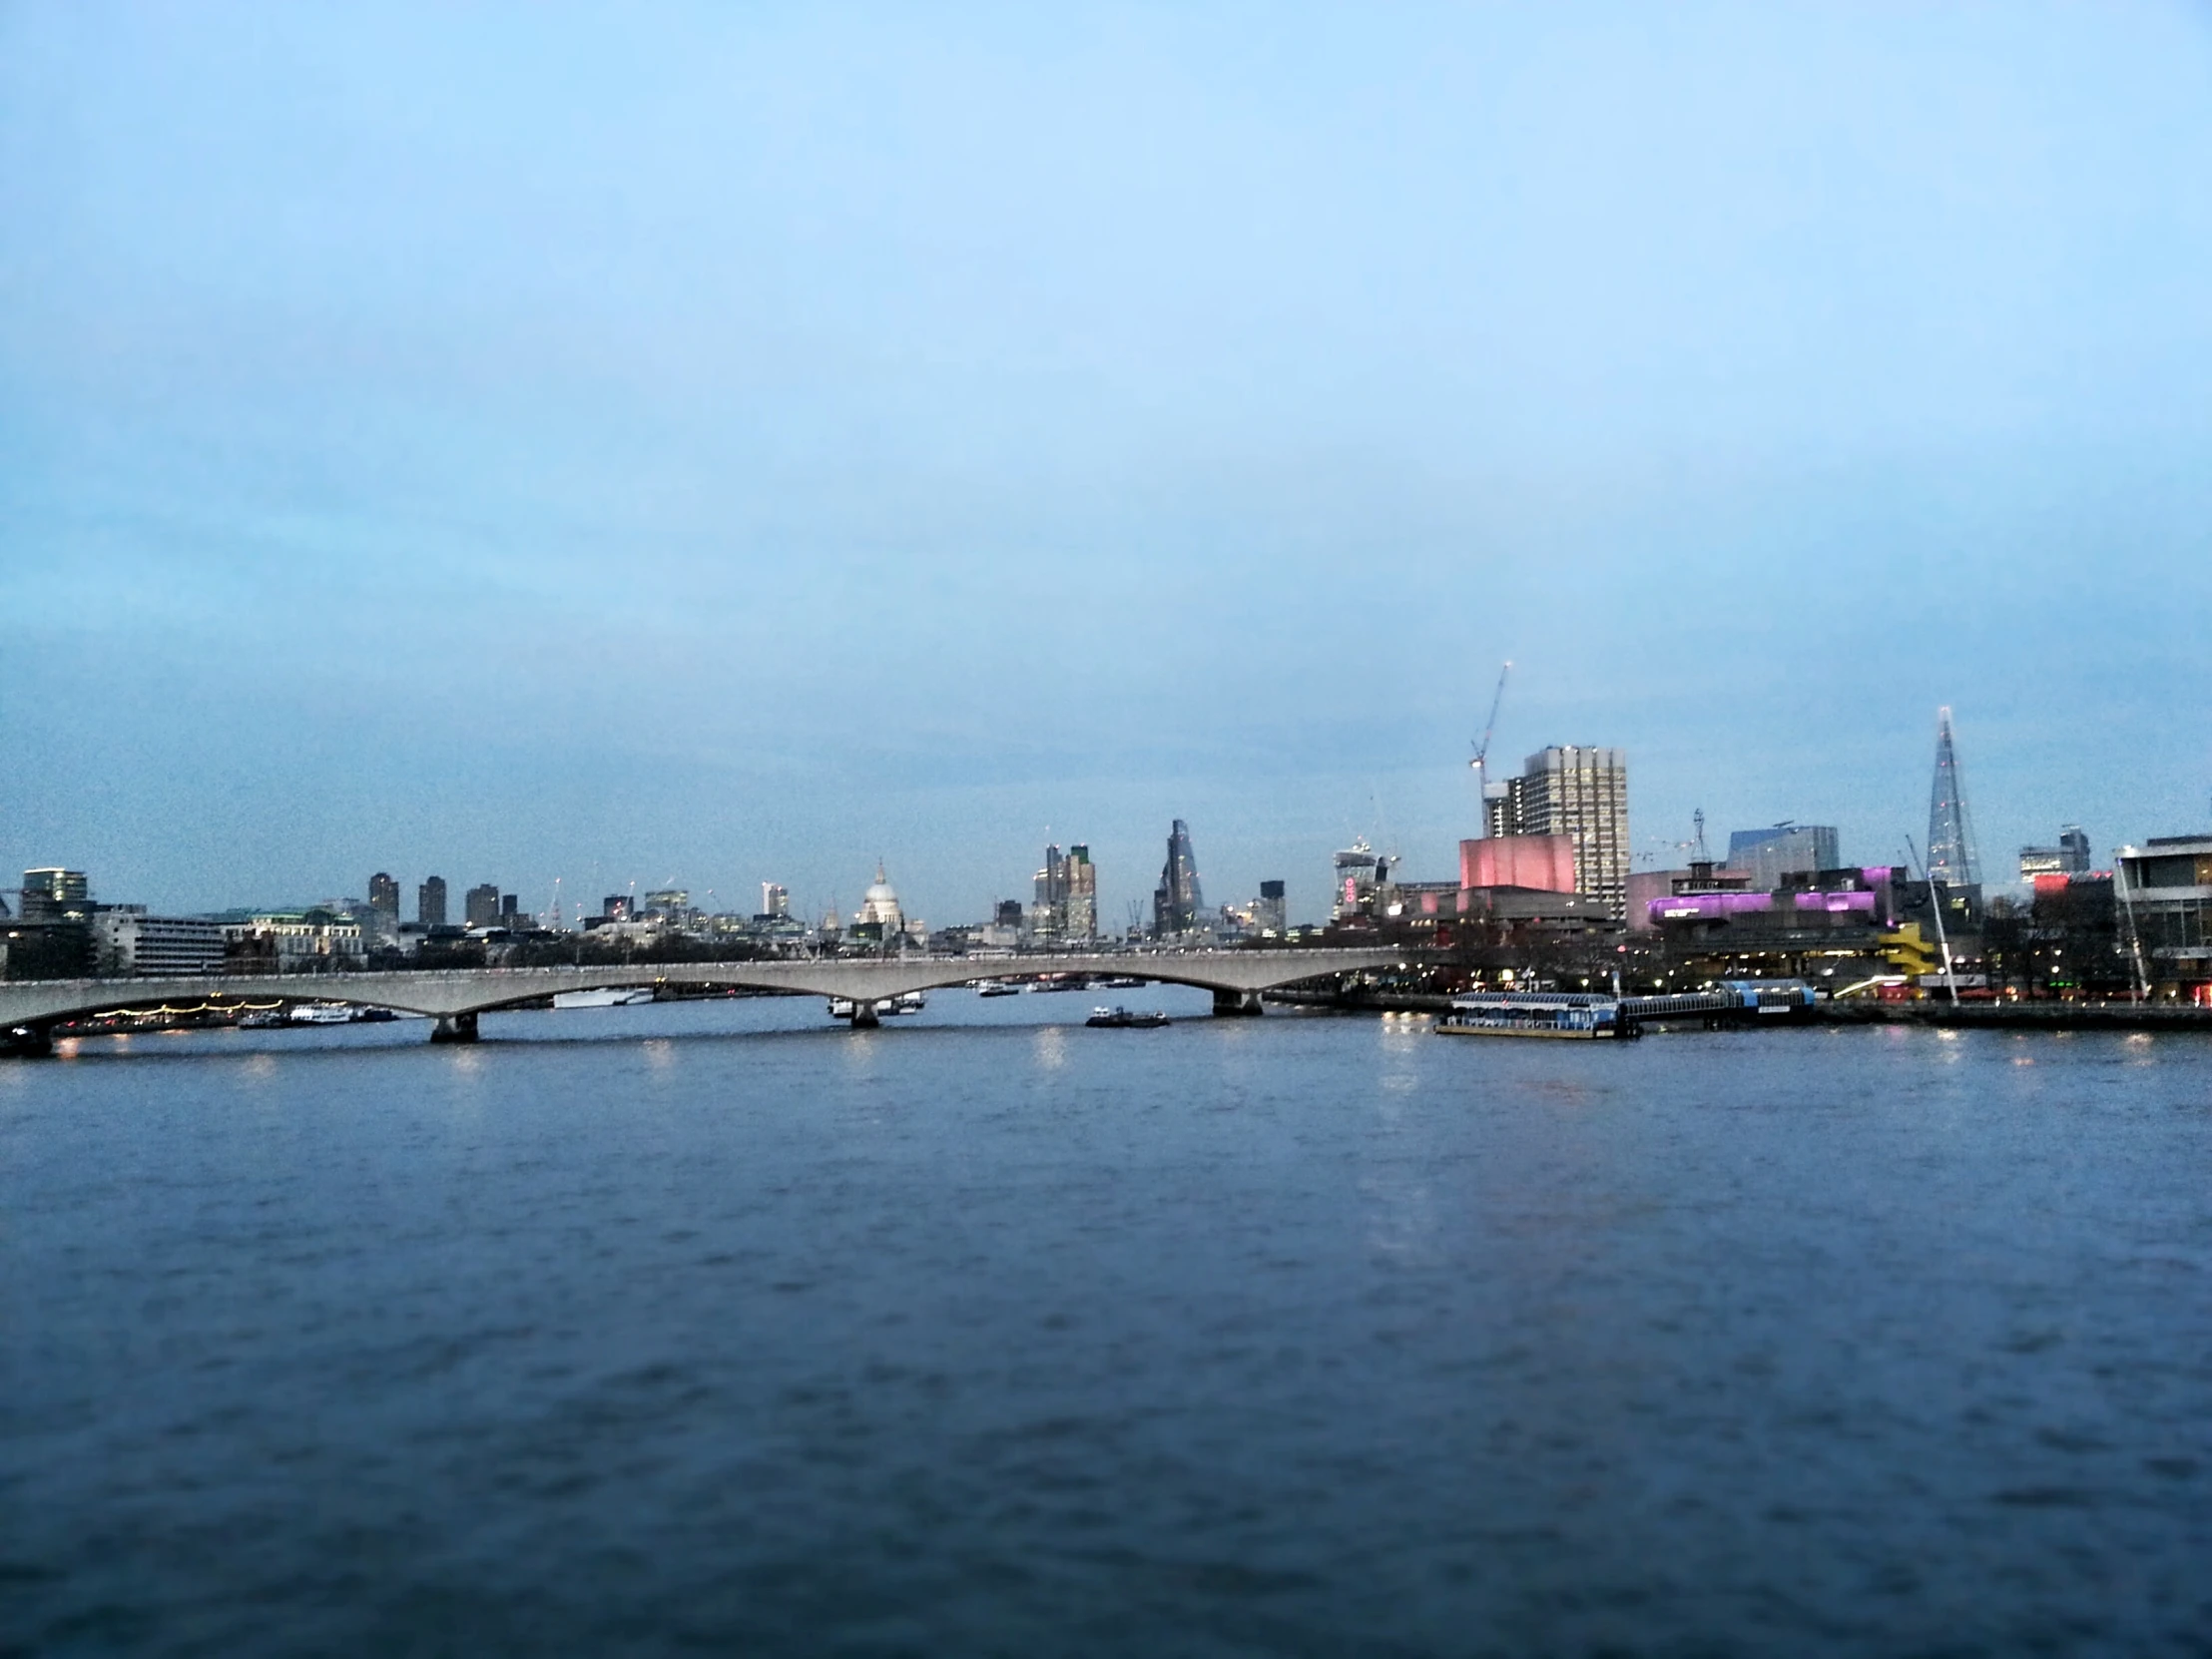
<point>29,1009</point>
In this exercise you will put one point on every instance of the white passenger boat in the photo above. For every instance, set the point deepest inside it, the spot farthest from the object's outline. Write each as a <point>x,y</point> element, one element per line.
<point>1534,1014</point>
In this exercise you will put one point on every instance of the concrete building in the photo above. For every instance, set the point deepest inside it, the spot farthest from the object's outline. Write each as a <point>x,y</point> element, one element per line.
<point>1271,911</point>
<point>293,941</point>
<point>383,895</point>
<point>2165,898</point>
<point>430,903</point>
<point>53,894</point>
<point>1543,863</point>
<point>2070,857</point>
<point>480,907</point>
<point>1580,792</point>
<point>1772,855</point>
<point>776,902</point>
<point>127,941</point>
<point>1008,929</point>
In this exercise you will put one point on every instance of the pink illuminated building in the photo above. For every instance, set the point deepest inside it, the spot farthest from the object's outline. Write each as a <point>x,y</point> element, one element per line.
<point>1543,862</point>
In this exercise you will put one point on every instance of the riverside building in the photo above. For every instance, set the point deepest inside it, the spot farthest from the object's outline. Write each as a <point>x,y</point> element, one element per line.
<point>1770,857</point>
<point>1580,793</point>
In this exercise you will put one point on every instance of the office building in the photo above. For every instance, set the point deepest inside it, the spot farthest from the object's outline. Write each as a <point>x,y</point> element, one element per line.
<point>2165,897</point>
<point>2069,857</point>
<point>1064,898</point>
<point>383,895</point>
<point>127,942</point>
<point>1356,874</point>
<point>1176,901</point>
<point>1952,858</point>
<point>1008,929</point>
<point>430,903</point>
<point>1769,857</point>
<point>53,894</point>
<point>1580,792</point>
<point>480,907</point>
<point>776,902</point>
<point>289,942</point>
<point>1271,911</point>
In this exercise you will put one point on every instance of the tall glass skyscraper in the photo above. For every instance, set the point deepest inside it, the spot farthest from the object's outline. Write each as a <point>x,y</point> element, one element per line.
<point>1952,858</point>
<point>1176,901</point>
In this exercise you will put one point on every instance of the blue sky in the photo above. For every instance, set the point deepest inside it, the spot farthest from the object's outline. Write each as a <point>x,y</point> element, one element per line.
<point>733,443</point>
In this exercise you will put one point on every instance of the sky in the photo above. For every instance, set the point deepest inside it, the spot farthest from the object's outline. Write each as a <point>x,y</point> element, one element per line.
<point>706,445</point>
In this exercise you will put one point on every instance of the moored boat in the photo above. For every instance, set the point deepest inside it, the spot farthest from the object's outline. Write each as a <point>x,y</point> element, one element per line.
<point>1534,1014</point>
<point>1126,1019</point>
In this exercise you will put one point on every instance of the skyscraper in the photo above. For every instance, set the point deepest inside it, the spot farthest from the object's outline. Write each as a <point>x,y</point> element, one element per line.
<point>1082,884</point>
<point>1271,911</point>
<point>1176,901</point>
<point>1064,896</point>
<point>1048,898</point>
<point>1580,792</point>
<point>480,907</point>
<point>1952,858</point>
<point>430,901</point>
<point>383,895</point>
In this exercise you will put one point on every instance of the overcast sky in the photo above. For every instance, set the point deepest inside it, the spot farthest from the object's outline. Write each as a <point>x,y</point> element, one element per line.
<point>736,443</point>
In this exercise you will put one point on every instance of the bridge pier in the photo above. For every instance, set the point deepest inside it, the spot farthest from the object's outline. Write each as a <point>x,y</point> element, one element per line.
<point>863,1014</point>
<point>1236,1004</point>
<point>454,1028</point>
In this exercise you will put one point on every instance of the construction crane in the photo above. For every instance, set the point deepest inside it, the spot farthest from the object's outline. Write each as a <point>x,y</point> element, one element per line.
<point>1482,744</point>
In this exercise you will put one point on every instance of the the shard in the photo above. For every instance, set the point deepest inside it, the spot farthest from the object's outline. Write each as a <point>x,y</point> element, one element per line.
<point>1950,854</point>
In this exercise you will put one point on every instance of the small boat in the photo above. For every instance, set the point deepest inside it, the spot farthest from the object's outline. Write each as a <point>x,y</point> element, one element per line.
<point>373,1016</point>
<point>322,1013</point>
<point>1061,983</point>
<point>1125,983</point>
<point>999,987</point>
<point>905,1002</point>
<point>599,999</point>
<point>1126,1019</point>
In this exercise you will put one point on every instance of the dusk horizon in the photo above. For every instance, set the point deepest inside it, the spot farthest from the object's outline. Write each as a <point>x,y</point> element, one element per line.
<point>1002,440</point>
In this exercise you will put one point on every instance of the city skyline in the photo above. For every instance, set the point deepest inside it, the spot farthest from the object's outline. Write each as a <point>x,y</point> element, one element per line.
<point>1755,400</point>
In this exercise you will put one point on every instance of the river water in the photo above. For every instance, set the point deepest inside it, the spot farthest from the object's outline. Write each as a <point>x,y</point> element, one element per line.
<point>716,1326</point>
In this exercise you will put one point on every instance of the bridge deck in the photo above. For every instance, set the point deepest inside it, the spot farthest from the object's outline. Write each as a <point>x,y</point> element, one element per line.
<point>451,994</point>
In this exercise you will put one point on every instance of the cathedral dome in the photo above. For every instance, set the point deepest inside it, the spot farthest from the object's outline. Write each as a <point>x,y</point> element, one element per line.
<point>880,902</point>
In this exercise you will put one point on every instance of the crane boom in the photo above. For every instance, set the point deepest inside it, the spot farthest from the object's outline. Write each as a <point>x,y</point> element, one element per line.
<point>1482,745</point>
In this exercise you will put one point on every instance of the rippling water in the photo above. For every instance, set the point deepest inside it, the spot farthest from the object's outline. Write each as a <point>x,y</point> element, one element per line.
<point>715,1325</point>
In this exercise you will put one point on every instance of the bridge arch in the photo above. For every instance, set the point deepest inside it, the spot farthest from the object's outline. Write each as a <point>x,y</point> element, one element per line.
<point>451,994</point>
